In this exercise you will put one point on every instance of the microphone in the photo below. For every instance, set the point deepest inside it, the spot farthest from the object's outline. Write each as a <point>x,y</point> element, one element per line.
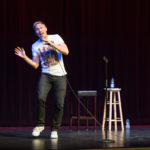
<point>42,39</point>
<point>47,43</point>
<point>105,59</point>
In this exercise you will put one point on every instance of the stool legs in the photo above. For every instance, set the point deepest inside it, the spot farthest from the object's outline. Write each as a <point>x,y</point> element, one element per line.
<point>79,115</point>
<point>104,114</point>
<point>115,112</point>
<point>87,120</point>
<point>110,111</point>
<point>112,100</point>
<point>95,112</point>
<point>121,116</point>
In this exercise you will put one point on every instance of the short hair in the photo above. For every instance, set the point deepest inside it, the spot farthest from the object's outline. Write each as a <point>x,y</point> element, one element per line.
<point>37,22</point>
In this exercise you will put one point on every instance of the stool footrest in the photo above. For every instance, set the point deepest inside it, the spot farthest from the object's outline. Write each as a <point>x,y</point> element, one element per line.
<point>114,120</point>
<point>113,103</point>
<point>87,95</point>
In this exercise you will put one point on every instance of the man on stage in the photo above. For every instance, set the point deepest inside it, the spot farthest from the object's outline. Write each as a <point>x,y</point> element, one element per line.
<point>48,50</point>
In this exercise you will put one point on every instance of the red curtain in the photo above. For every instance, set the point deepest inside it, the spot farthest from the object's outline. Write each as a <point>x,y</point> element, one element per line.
<point>117,29</point>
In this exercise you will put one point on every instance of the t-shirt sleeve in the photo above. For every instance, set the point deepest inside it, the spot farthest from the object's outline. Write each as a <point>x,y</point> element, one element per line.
<point>59,39</point>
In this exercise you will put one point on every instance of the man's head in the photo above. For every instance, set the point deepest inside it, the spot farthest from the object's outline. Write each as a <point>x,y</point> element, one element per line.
<point>40,29</point>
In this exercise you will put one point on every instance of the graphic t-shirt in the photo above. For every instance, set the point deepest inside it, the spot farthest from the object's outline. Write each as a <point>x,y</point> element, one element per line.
<point>51,60</point>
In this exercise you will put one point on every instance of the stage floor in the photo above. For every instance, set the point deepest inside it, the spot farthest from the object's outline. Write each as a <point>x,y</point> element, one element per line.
<point>20,138</point>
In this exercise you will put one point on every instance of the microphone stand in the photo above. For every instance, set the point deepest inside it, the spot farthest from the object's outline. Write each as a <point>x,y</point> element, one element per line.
<point>106,140</point>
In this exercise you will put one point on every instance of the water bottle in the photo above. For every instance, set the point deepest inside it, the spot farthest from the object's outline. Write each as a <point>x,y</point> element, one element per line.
<point>112,83</point>
<point>127,124</point>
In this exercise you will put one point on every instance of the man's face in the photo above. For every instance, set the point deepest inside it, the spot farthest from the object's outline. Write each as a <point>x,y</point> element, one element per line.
<point>41,31</point>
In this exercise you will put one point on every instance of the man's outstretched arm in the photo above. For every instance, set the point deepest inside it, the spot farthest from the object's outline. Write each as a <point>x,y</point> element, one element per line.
<point>34,62</point>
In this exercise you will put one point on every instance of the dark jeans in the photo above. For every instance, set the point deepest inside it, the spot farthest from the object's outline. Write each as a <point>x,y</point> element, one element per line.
<point>58,83</point>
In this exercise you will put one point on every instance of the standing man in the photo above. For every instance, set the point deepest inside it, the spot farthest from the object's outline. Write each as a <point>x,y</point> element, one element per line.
<point>48,50</point>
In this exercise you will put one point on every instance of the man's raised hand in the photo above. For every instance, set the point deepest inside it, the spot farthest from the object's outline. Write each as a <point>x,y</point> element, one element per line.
<point>20,52</point>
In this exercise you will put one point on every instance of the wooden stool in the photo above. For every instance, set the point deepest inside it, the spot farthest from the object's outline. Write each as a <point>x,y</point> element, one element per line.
<point>86,95</point>
<point>112,101</point>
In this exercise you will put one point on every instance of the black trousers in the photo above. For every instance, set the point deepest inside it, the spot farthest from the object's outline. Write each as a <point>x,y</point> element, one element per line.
<point>58,83</point>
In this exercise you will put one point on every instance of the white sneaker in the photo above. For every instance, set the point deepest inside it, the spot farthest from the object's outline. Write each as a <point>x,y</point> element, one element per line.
<point>37,130</point>
<point>54,135</point>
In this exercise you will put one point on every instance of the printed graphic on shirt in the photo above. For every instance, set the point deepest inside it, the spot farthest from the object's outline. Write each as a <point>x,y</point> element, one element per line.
<point>49,56</point>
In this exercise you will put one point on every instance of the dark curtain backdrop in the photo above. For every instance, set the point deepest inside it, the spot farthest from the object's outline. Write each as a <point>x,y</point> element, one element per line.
<point>117,29</point>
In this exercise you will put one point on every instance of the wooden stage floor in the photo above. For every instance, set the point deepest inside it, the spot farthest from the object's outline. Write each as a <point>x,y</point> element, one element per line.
<point>20,138</point>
